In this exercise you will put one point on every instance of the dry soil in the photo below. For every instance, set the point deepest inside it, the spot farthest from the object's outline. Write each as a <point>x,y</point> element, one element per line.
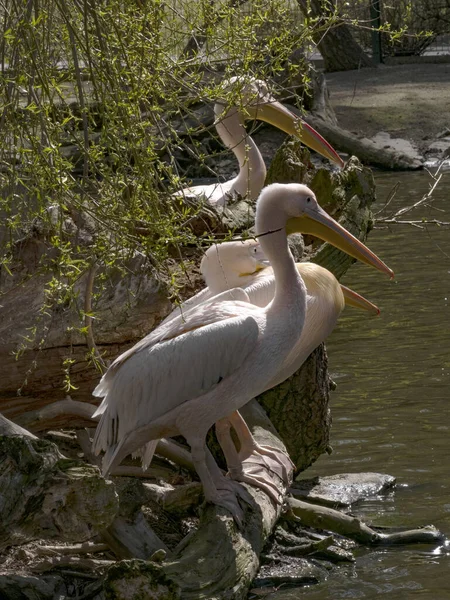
<point>408,101</point>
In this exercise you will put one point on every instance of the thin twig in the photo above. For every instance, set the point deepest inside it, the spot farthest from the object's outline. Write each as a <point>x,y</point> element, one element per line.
<point>389,199</point>
<point>419,223</point>
<point>424,201</point>
<point>88,318</point>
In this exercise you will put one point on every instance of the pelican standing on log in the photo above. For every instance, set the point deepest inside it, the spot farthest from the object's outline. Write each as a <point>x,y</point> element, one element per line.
<point>226,352</point>
<point>243,264</point>
<point>256,103</point>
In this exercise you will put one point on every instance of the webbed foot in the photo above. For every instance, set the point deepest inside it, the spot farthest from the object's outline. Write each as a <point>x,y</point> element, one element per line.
<point>273,459</point>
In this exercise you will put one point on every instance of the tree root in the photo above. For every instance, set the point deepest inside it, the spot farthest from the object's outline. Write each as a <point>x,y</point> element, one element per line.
<point>45,495</point>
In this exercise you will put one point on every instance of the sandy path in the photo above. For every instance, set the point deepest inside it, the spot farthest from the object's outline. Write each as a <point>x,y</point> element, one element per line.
<point>410,101</point>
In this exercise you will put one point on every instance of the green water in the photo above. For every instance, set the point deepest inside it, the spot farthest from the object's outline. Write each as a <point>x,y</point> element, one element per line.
<point>391,410</point>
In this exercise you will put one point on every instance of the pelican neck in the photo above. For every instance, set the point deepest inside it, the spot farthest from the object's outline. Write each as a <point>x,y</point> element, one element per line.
<point>290,289</point>
<point>252,170</point>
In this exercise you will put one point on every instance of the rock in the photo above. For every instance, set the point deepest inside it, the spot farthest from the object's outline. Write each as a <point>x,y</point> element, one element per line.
<point>383,140</point>
<point>439,147</point>
<point>434,163</point>
<point>343,489</point>
<point>295,572</point>
<point>127,309</point>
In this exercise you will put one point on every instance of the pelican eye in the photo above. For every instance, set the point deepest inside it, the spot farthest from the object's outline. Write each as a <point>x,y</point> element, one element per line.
<point>308,200</point>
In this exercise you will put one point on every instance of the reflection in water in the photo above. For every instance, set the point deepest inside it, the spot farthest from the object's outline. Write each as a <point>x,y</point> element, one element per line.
<point>391,408</point>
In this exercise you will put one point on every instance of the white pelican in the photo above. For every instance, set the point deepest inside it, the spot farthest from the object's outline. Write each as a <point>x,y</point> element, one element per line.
<point>223,353</point>
<point>256,103</point>
<point>325,301</point>
<point>243,264</point>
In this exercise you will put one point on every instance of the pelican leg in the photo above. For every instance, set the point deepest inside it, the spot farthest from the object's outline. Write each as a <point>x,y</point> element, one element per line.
<point>252,453</point>
<point>225,483</point>
<point>246,467</point>
<point>237,470</point>
<point>222,495</point>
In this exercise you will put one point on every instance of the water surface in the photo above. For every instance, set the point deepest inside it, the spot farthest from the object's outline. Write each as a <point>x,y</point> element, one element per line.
<point>392,406</point>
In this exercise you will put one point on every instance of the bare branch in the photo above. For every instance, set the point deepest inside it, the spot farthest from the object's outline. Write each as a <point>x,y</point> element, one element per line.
<point>419,223</point>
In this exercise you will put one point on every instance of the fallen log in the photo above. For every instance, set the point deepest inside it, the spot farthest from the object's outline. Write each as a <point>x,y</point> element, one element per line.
<point>129,535</point>
<point>217,561</point>
<point>366,150</point>
<point>72,414</point>
<point>322,117</point>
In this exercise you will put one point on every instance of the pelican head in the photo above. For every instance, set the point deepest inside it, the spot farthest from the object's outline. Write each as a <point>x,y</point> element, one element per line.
<point>256,102</point>
<point>223,265</point>
<point>302,214</point>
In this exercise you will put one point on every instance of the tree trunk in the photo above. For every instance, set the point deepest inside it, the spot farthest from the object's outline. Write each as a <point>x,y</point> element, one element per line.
<point>337,46</point>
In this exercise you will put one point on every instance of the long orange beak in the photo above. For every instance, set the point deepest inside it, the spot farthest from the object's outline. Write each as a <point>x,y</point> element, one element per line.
<point>357,301</point>
<point>276,114</point>
<point>317,222</point>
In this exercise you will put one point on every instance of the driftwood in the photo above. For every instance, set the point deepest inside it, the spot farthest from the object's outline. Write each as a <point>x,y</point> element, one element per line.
<point>323,517</point>
<point>87,548</point>
<point>218,560</point>
<point>71,414</point>
<point>129,535</point>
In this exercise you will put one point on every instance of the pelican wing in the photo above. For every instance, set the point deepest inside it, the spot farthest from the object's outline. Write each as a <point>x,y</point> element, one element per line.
<point>262,290</point>
<point>191,302</point>
<point>160,377</point>
<point>210,311</point>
